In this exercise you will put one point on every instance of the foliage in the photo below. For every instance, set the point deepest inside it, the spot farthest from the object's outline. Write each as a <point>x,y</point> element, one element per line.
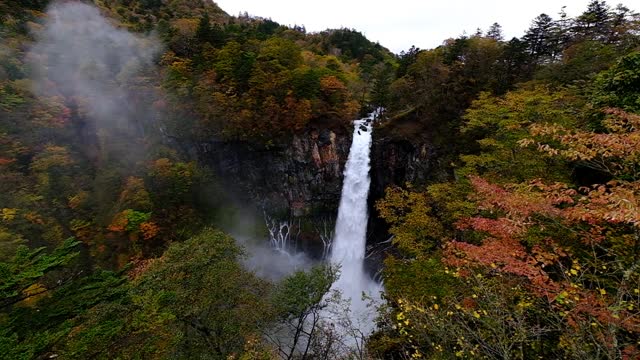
<point>499,124</point>
<point>298,302</point>
<point>617,87</point>
<point>536,234</point>
<point>194,300</point>
<point>566,251</point>
<point>27,267</point>
<point>37,326</point>
<point>414,229</point>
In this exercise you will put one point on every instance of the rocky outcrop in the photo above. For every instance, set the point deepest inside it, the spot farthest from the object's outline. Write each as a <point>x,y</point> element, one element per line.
<point>395,162</point>
<point>301,178</point>
<point>301,181</point>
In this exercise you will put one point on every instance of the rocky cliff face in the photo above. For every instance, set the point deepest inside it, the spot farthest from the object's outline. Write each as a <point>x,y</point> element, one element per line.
<point>300,182</point>
<point>397,161</point>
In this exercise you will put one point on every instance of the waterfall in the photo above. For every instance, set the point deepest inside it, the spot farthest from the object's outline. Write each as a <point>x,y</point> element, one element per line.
<point>348,248</point>
<point>280,234</point>
<point>345,327</point>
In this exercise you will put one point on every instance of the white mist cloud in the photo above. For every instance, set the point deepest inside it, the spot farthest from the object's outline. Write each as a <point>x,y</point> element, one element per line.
<point>79,54</point>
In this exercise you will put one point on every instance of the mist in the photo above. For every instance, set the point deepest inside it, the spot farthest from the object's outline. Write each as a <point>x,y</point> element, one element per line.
<point>269,263</point>
<point>80,56</point>
<point>248,226</point>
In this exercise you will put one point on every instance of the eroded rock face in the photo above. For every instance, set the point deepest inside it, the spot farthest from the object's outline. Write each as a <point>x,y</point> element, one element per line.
<point>302,182</point>
<point>396,162</point>
<point>302,179</point>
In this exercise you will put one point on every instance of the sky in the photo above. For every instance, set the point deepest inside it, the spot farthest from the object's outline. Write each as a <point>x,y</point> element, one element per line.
<point>398,24</point>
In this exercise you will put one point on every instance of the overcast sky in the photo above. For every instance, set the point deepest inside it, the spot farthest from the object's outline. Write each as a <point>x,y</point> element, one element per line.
<point>398,24</point>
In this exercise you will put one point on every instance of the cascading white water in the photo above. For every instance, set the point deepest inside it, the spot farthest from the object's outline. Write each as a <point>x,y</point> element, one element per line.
<point>351,226</point>
<point>348,249</point>
<point>348,327</point>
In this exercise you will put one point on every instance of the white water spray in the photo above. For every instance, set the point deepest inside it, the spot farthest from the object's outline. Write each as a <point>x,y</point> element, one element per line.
<point>349,243</point>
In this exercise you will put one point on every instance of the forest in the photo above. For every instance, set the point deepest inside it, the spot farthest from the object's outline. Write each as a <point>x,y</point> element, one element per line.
<point>522,241</point>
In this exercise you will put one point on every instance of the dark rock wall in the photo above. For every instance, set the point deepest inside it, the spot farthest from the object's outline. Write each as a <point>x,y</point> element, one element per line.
<point>300,182</point>
<point>396,162</point>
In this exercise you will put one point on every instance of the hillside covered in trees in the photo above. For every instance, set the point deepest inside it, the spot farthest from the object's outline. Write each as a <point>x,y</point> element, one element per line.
<point>522,243</point>
<point>531,249</point>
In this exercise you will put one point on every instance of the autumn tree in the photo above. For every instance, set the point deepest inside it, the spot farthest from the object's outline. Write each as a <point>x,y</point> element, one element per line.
<point>533,238</point>
<point>194,300</point>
